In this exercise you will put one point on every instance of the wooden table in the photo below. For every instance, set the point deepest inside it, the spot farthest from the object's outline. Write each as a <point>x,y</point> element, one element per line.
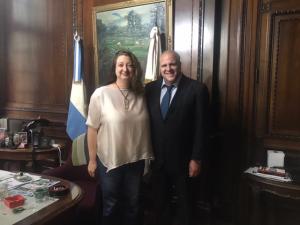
<point>29,154</point>
<point>255,207</point>
<point>58,212</point>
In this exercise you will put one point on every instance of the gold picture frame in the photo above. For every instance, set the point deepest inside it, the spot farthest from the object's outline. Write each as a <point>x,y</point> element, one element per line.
<point>127,25</point>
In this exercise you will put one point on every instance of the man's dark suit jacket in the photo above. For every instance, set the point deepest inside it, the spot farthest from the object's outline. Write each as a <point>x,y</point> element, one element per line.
<point>180,136</point>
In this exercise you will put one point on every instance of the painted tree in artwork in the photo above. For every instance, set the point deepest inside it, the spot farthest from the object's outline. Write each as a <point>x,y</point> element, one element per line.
<point>157,14</point>
<point>134,22</point>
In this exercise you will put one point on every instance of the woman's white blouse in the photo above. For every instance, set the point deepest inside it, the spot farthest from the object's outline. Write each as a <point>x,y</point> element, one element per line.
<point>123,135</point>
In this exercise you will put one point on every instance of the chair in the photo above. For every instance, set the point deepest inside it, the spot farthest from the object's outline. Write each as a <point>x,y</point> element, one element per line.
<point>88,210</point>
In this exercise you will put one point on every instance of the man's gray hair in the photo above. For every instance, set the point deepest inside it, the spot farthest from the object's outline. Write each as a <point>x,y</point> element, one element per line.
<point>177,56</point>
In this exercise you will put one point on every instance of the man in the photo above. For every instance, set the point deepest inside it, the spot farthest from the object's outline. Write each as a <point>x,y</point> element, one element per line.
<point>177,107</point>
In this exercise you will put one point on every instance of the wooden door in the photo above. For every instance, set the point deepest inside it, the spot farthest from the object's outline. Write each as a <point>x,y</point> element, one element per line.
<point>277,83</point>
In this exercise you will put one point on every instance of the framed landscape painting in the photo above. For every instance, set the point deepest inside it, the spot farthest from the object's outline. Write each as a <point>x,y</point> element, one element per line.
<point>127,26</point>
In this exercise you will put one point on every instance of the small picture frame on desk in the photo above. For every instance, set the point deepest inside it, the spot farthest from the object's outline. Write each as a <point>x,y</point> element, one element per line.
<point>3,135</point>
<point>23,139</point>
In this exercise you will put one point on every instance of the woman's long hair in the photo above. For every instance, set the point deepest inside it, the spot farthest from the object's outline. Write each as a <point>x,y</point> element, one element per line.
<point>136,84</point>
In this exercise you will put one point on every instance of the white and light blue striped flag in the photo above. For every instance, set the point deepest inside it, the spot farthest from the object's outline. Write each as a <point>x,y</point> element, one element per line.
<point>76,127</point>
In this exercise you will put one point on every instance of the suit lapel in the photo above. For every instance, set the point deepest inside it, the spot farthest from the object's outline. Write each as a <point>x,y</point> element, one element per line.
<point>157,97</point>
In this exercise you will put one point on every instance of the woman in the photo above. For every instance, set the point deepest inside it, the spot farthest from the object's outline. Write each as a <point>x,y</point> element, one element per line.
<point>119,139</point>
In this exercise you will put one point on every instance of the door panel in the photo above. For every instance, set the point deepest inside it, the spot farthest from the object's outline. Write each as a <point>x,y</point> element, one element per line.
<point>277,120</point>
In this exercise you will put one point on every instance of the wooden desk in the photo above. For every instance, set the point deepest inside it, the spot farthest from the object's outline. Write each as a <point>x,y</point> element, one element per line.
<point>281,194</point>
<point>58,212</point>
<point>27,154</point>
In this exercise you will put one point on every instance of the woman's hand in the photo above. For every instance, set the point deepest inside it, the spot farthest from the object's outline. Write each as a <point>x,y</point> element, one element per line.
<point>194,168</point>
<point>92,166</point>
<point>92,145</point>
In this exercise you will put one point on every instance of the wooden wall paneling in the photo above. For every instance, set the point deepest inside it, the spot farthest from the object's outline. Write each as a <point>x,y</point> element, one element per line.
<point>2,57</point>
<point>223,60</point>
<point>218,97</point>
<point>84,20</point>
<point>285,79</point>
<point>277,92</point>
<point>194,27</point>
<point>77,17</point>
<point>88,47</point>
<point>262,67</point>
<point>235,50</point>
<point>39,62</point>
<point>250,77</point>
<point>229,62</point>
<point>197,38</point>
<point>270,94</point>
<point>280,143</point>
<point>251,8</point>
<point>230,87</point>
<point>208,44</point>
<point>183,31</point>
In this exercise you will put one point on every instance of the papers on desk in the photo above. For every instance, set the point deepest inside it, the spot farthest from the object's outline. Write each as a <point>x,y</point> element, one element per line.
<point>5,175</point>
<point>13,183</point>
<point>41,183</point>
<point>33,181</point>
<point>255,171</point>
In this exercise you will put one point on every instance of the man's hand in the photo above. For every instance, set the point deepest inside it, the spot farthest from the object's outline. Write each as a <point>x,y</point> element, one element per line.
<point>194,168</point>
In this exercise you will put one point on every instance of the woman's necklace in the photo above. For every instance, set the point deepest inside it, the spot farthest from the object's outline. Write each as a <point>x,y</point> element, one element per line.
<point>126,100</point>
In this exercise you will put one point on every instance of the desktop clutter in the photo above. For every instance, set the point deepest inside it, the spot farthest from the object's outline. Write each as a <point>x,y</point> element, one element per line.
<point>280,167</point>
<point>30,133</point>
<point>21,191</point>
<point>274,169</point>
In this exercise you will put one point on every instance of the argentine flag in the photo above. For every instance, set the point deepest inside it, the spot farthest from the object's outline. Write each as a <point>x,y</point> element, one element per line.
<point>76,128</point>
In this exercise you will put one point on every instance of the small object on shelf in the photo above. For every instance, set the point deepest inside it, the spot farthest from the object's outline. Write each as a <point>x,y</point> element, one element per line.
<point>18,210</point>
<point>14,201</point>
<point>272,171</point>
<point>41,194</point>
<point>16,139</point>
<point>3,135</point>
<point>265,172</point>
<point>9,141</point>
<point>22,178</point>
<point>58,190</point>
<point>23,140</point>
